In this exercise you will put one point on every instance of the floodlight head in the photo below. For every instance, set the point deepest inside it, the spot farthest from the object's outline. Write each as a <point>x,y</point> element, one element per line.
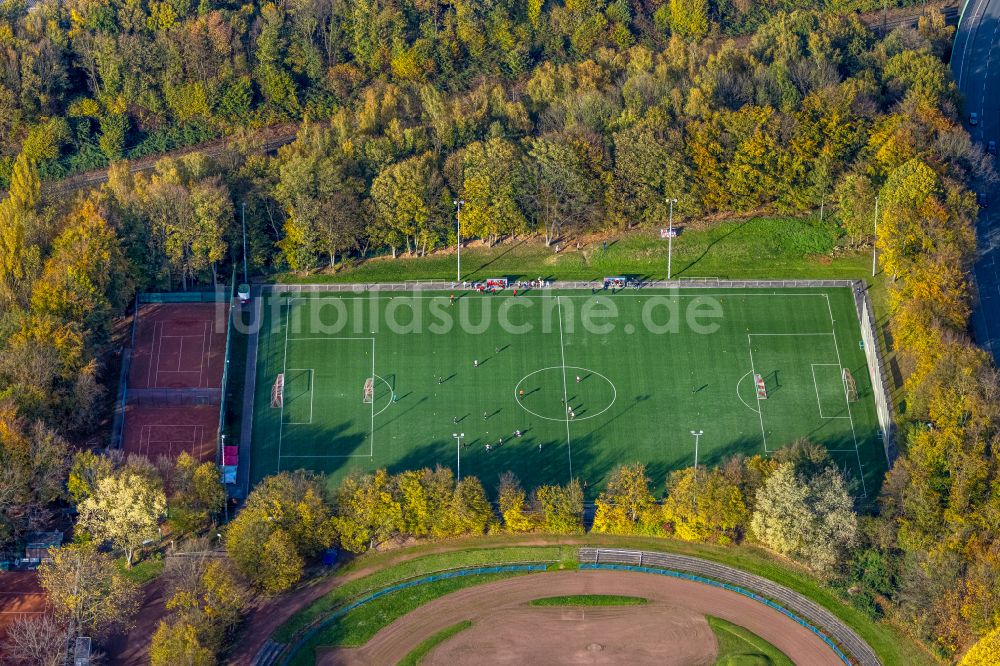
<point>454,434</point>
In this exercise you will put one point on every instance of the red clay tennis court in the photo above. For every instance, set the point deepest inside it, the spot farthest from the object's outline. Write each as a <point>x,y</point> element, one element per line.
<point>20,596</point>
<point>166,431</point>
<point>174,385</point>
<point>179,345</point>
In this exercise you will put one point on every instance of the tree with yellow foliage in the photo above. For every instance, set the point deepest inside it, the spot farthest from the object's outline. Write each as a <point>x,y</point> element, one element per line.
<point>125,509</point>
<point>177,642</point>
<point>702,504</point>
<point>86,590</point>
<point>560,508</point>
<point>513,502</point>
<point>984,653</point>
<point>626,505</point>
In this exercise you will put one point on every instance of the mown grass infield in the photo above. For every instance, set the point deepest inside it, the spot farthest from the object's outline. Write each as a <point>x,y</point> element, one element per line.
<point>739,646</point>
<point>555,384</point>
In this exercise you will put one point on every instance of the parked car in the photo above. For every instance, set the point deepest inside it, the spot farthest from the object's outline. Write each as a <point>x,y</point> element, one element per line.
<point>991,147</point>
<point>982,200</point>
<point>973,118</point>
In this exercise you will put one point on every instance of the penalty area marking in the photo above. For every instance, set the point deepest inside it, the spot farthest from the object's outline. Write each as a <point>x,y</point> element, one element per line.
<point>389,386</point>
<point>563,368</point>
<point>312,393</point>
<point>740,381</point>
<point>816,386</point>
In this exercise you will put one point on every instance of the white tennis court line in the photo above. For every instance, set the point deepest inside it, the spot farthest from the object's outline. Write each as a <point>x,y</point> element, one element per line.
<point>157,345</point>
<point>146,436</point>
<point>812,367</point>
<point>562,351</point>
<point>205,332</point>
<point>205,337</point>
<point>312,392</point>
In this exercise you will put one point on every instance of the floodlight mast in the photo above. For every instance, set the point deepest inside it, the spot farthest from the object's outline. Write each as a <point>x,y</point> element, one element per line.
<point>458,226</point>
<point>458,455</point>
<point>246,279</point>
<point>670,239</point>
<point>875,242</point>
<point>697,435</point>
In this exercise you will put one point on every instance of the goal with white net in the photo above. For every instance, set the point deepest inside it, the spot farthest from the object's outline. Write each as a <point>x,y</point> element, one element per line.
<point>850,386</point>
<point>278,392</point>
<point>758,380</point>
<point>369,390</point>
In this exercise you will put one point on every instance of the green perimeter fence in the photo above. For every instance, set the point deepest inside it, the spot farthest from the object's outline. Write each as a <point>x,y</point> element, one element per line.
<point>224,384</point>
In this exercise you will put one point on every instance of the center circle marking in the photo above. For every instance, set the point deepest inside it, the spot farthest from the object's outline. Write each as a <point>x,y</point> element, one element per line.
<point>564,368</point>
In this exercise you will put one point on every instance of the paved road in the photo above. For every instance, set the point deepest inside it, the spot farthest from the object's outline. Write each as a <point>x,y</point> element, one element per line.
<point>976,65</point>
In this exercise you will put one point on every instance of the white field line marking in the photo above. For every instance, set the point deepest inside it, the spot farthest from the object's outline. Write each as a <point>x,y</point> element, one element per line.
<point>371,436</point>
<point>759,408</point>
<point>312,392</point>
<point>389,386</point>
<point>812,367</point>
<point>854,434</point>
<point>788,334</point>
<point>332,337</point>
<point>323,455</point>
<point>740,381</point>
<point>562,351</point>
<point>284,366</point>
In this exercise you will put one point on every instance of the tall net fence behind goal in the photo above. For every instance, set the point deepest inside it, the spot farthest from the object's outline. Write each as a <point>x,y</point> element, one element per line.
<point>369,390</point>
<point>850,386</point>
<point>278,392</point>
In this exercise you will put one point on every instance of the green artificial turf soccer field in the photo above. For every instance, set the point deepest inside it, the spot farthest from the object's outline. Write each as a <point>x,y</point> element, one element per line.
<point>652,367</point>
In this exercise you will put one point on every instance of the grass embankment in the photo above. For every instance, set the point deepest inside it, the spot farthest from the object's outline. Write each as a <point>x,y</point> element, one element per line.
<point>758,248</point>
<point>424,648</point>
<point>775,248</point>
<point>406,570</point>
<point>742,647</point>
<point>356,627</point>
<point>892,646</point>
<point>590,600</point>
